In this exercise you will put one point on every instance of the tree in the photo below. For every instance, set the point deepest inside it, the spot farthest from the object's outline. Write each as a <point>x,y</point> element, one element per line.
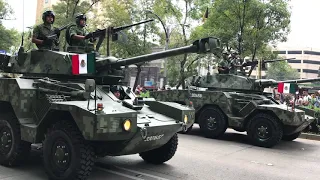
<point>248,25</point>
<point>182,17</point>
<point>8,37</point>
<point>281,71</point>
<point>133,41</point>
<point>65,12</point>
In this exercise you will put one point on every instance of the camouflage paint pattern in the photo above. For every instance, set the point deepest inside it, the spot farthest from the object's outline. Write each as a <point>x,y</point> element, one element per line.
<point>47,92</point>
<point>42,30</point>
<point>33,109</point>
<point>77,30</point>
<point>237,82</point>
<point>238,107</point>
<point>49,63</point>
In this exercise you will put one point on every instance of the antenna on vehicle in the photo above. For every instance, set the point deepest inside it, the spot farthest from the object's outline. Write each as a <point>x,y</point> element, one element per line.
<point>21,49</point>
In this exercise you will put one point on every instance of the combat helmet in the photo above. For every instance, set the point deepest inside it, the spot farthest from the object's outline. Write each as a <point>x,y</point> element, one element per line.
<point>48,13</point>
<point>79,17</point>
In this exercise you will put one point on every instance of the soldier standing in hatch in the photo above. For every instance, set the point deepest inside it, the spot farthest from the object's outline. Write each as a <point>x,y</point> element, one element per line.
<point>223,65</point>
<point>40,32</point>
<point>77,34</point>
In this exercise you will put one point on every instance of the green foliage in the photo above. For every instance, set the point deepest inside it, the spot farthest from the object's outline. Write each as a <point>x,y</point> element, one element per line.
<point>8,37</point>
<point>183,66</point>
<point>65,12</point>
<point>281,71</point>
<point>247,26</point>
<point>133,41</point>
<point>5,10</point>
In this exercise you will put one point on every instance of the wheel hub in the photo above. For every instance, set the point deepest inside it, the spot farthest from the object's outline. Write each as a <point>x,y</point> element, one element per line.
<point>61,155</point>
<point>212,123</point>
<point>263,131</point>
<point>5,140</point>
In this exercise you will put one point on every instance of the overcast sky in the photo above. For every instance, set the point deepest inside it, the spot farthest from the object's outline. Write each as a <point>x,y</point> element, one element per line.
<point>304,23</point>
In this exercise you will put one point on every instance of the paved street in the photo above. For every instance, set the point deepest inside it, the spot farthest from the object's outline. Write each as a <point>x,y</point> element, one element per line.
<point>200,158</point>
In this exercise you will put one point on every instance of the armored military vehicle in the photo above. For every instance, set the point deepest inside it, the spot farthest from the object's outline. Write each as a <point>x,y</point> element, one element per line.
<point>75,105</point>
<point>226,101</point>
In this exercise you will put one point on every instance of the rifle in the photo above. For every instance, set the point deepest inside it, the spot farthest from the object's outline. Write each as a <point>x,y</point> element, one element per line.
<point>253,64</point>
<point>110,31</point>
<point>57,31</point>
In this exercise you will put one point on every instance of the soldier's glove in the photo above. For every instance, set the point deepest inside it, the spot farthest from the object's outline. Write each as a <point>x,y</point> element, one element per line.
<point>88,36</point>
<point>47,41</point>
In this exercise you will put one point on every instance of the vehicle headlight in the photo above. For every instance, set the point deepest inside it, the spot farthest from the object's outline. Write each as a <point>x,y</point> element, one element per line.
<point>185,119</point>
<point>126,125</point>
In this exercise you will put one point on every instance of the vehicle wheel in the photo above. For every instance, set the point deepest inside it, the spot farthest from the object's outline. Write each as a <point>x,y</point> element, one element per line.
<point>162,154</point>
<point>264,130</point>
<point>13,150</point>
<point>66,155</point>
<point>291,137</point>
<point>186,130</point>
<point>212,122</point>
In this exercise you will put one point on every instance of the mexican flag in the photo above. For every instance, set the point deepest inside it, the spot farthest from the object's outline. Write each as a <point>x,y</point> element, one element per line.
<point>287,88</point>
<point>83,64</point>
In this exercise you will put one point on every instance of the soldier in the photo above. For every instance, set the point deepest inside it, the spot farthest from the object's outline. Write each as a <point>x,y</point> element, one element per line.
<point>40,32</point>
<point>77,35</point>
<point>223,65</point>
<point>233,61</point>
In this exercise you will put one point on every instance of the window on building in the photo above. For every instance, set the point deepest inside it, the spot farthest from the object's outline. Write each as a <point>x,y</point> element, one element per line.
<point>46,1</point>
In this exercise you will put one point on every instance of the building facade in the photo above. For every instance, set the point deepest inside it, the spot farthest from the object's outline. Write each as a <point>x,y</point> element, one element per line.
<point>306,62</point>
<point>43,5</point>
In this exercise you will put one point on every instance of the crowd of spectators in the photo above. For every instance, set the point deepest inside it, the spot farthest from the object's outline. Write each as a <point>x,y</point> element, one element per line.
<point>304,99</point>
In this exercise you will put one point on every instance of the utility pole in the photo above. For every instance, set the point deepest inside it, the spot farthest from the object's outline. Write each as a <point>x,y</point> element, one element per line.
<point>259,68</point>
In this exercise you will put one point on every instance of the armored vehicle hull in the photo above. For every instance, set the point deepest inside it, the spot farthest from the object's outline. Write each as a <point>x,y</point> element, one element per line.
<point>71,133</point>
<point>75,105</point>
<point>265,120</point>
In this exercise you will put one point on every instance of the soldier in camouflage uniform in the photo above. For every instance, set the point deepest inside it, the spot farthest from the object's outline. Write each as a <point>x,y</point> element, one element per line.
<point>40,32</point>
<point>77,36</point>
<point>234,62</point>
<point>223,65</point>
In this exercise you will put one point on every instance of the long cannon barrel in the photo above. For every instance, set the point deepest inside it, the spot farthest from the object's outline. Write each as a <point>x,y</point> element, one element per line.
<point>204,45</point>
<point>271,82</point>
<point>158,55</point>
<point>120,28</point>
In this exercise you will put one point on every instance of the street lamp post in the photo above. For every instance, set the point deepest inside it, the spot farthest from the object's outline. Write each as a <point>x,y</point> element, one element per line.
<point>166,44</point>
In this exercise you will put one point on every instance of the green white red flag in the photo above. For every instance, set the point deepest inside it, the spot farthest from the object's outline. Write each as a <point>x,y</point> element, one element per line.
<point>287,88</point>
<point>83,64</point>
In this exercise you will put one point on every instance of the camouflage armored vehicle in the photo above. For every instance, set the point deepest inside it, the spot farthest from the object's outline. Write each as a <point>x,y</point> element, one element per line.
<point>75,105</point>
<point>226,101</point>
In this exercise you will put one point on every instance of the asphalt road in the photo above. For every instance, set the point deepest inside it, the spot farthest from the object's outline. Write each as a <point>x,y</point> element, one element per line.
<point>199,158</point>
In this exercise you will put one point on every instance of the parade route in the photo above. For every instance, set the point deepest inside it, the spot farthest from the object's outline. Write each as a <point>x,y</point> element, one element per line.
<point>200,158</point>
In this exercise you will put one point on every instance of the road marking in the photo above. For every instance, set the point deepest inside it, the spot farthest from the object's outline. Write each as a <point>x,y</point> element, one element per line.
<point>145,174</point>
<point>120,174</point>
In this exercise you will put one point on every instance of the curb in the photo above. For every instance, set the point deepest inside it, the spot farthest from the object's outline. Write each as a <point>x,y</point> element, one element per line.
<point>315,137</point>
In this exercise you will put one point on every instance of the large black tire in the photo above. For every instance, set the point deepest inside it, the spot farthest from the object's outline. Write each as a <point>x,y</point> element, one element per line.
<point>212,122</point>
<point>13,150</point>
<point>264,130</point>
<point>291,137</point>
<point>187,130</point>
<point>66,155</point>
<point>162,154</point>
